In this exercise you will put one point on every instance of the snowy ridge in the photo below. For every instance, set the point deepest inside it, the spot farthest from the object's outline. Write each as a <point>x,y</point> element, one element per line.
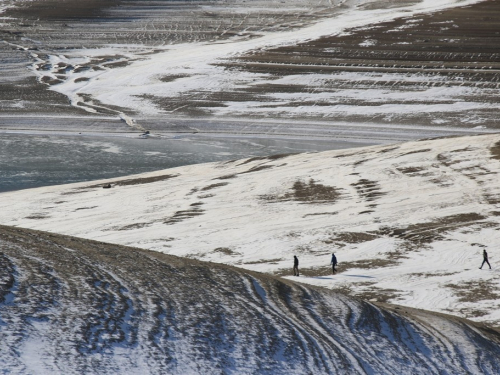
<point>408,222</point>
<point>70,306</point>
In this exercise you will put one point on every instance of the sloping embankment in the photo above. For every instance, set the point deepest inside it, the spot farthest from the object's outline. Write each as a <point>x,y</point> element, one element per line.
<point>70,305</point>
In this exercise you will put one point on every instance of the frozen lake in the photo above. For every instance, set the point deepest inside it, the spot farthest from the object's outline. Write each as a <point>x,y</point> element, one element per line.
<point>28,161</point>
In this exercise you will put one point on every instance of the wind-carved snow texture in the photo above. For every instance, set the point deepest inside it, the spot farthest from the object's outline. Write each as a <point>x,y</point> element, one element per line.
<point>408,222</point>
<point>76,306</point>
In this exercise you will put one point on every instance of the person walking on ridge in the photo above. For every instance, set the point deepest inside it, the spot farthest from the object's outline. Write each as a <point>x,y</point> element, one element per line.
<point>334,263</point>
<point>485,259</point>
<point>295,266</point>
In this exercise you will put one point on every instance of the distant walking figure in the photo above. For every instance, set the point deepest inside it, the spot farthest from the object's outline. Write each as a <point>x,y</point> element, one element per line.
<point>295,266</point>
<point>485,259</point>
<point>334,263</point>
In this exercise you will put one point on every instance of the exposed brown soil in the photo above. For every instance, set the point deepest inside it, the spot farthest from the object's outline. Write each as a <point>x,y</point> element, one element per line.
<point>378,295</point>
<point>321,214</point>
<point>495,151</point>
<point>429,43</point>
<point>85,208</point>
<point>133,226</point>
<point>226,251</point>
<point>416,152</point>
<point>226,177</point>
<point>474,291</point>
<point>352,237</point>
<point>37,217</point>
<point>257,168</point>
<point>410,170</point>
<point>214,186</point>
<point>461,45</point>
<point>132,181</point>
<point>307,192</point>
<point>433,231</point>
<point>368,190</point>
<point>271,157</point>
<point>62,9</point>
<point>18,96</point>
<point>368,264</point>
<point>184,215</point>
<point>341,267</point>
<point>464,52</point>
<point>270,261</point>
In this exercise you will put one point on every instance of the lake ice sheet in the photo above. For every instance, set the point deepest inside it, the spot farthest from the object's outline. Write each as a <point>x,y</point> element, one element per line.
<point>28,161</point>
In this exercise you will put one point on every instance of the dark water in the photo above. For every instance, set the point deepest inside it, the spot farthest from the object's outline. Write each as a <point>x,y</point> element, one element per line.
<point>28,161</point>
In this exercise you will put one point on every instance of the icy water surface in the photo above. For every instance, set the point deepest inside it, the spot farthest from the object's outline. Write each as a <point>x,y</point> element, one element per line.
<point>28,161</point>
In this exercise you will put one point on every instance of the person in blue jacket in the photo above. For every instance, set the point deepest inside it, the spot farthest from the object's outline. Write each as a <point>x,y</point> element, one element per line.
<point>334,263</point>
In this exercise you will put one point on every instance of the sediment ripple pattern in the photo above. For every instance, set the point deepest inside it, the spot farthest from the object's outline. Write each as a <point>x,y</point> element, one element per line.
<point>69,305</point>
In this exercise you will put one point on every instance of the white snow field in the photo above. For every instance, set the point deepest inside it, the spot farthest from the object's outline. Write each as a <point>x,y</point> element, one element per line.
<point>408,222</point>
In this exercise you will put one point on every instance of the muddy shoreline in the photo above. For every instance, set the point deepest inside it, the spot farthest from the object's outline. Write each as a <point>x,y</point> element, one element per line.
<point>430,70</point>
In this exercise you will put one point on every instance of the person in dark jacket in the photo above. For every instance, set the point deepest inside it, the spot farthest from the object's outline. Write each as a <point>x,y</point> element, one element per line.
<point>295,266</point>
<point>334,263</point>
<point>485,259</point>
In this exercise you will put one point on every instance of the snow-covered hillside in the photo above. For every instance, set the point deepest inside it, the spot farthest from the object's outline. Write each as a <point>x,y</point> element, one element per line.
<point>408,222</point>
<point>73,306</point>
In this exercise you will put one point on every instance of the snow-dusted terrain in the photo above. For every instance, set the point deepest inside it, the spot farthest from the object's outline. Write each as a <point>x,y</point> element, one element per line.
<point>408,222</point>
<point>182,69</point>
<point>73,306</point>
<point>399,64</point>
